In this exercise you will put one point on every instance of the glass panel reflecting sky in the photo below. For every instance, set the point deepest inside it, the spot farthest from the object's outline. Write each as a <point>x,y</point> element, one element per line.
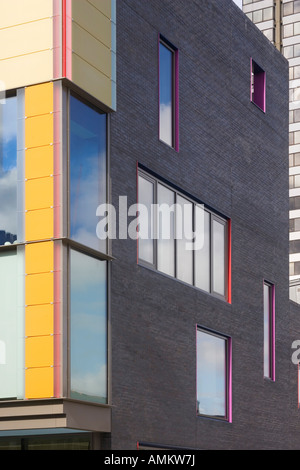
<point>181,238</point>
<point>239,3</point>
<point>146,200</point>
<point>166,94</point>
<point>211,375</point>
<point>218,257</point>
<point>165,223</point>
<point>88,292</point>
<point>8,170</point>
<point>202,255</point>
<point>87,172</point>
<point>184,235</point>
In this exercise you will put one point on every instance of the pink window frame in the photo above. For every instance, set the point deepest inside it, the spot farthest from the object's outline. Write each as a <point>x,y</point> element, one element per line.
<point>228,371</point>
<point>271,329</point>
<point>257,85</point>
<point>174,49</point>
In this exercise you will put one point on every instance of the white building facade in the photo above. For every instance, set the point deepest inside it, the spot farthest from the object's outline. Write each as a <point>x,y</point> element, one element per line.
<point>279,20</point>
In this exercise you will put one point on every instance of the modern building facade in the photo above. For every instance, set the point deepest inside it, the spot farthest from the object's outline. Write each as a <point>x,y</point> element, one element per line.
<point>280,22</point>
<point>144,246</point>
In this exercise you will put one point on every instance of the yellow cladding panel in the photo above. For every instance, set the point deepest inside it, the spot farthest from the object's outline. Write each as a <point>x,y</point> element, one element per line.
<point>39,224</point>
<point>39,193</point>
<point>39,162</point>
<point>91,80</point>
<point>39,258</point>
<point>39,131</point>
<point>27,38</point>
<point>92,20</point>
<point>15,12</point>
<point>39,289</point>
<point>102,5</point>
<point>39,320</point>
<point>91,50</point>
<point>39,383</point>
<point>39,351</point>
<point>39,99</point>
<point>36,68</point>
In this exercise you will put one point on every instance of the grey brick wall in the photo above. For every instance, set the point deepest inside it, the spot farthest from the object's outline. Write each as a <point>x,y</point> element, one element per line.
<point>234,158</point>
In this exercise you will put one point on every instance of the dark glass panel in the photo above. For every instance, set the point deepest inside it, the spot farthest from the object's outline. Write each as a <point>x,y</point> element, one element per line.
<point>87,172</point>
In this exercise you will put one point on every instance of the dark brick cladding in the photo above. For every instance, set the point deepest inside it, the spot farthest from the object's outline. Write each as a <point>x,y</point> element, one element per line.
<point>234,158</point>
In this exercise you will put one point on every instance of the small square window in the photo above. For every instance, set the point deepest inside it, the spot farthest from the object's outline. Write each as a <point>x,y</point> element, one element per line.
<point>258,86</point>
<point>288,9</point>
<point>296,6</point>
<point>257,16</point>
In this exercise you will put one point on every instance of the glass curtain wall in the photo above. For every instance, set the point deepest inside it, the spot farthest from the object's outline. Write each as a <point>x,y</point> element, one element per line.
<point>8,170</point>
<point>12,269</point>
<point>87,263</point>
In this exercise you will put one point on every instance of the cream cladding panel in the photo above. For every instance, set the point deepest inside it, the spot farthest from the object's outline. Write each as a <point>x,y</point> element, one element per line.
<point>26,42</point>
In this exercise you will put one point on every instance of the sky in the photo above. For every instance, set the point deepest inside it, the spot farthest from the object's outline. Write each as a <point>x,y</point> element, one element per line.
<point>238,2</point>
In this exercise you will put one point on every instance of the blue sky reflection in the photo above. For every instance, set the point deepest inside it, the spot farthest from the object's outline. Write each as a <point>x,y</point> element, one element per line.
<point>8,170</point>
<point>88,328</point>
<point>211,375</point>
<point>166,94</point>
<point>87,172</point>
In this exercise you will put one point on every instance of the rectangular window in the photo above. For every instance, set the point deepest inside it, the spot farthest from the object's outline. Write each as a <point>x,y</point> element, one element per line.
<point>86,252</point>
<point>48,442</point>
<point>213,375</point>
<point>146,198</point>
<point>88,167</point>
<point>8,171</point>
<point>166,235</point>
<point>88,328</point>
<point>258,86</point>
<point>168,94</point>
<point>269,331</point>
<point>182,238</point>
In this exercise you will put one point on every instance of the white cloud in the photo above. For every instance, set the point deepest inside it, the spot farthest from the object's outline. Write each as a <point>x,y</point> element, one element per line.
<point>165,121</point>
<point>87,194</point>
<point>8,120</point>
<point>8,201</point>
<point>91,383</point>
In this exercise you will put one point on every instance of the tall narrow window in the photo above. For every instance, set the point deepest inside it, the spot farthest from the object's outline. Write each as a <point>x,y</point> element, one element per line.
<point>86,347</point>
<point>8,171</point>
<point>168,93</point>
<point>146,201</point>
<point>218,254</point>
<point>269,331</point>
<point>88,327</point>
<point>184,235</point>
<point>87,172</point>
<point>166,230</point>
<point>258,86</point>
<point>202,254</point>
<point>213,375</point>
